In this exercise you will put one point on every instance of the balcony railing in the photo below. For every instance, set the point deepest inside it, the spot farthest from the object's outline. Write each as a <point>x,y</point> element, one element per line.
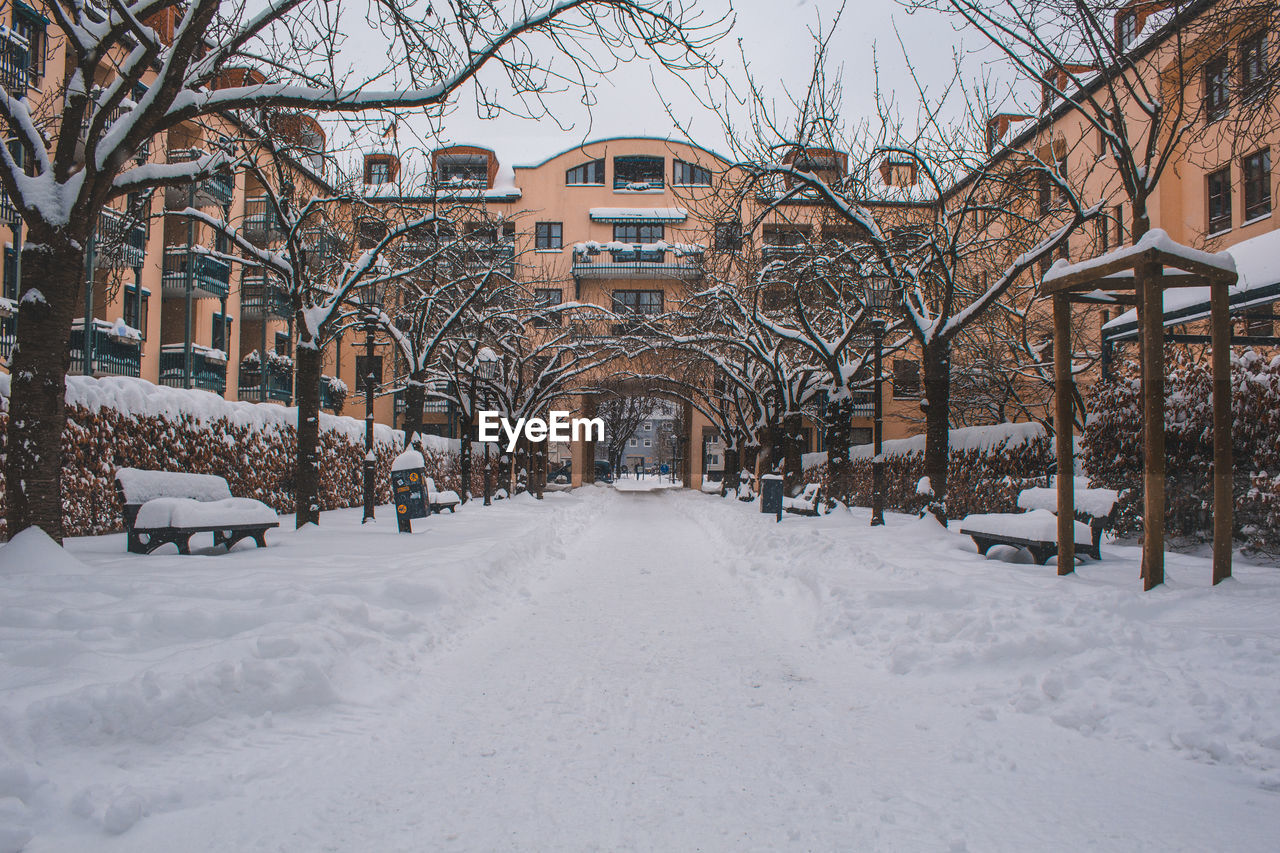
<point>261,296</point>
<point>769,254</point>
<point>209,276</point>
<point>8,210</point>
<point>636,325</point>
<point>208,368</point>
<point>278,387</point>
<point>430,406</point>
<point>217,190</point>
<point>15,63</point>
<point>637,262</point>
<point>121,240</point>
<point>8,335</point>
<point>324,246</point>
<point>112,354</point>
<point>331,398</point>
<point>262,222</point>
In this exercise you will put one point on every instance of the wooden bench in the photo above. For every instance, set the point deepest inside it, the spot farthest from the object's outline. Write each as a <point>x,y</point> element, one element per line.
<point>169,506</point>
<point>440,501</point>
<point>805,503</point>
<point>1037,528</point>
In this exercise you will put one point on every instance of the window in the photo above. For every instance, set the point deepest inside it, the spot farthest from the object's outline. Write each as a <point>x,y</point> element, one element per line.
<point>690,175</point>
<point>648,426</point>
<point>786,235</point>
<point>221,337</point>
<point>547,235</point>
<point>1253,63</point>
<point>647,232</point>
<point>1257,184</point>
<point>1260,321</point>
<point>643,302</point>
<point>1103,240</point>
<point>638,173</point>
<point>1219,191</point>
<point>377,172</point>
<point>283,343</point>
<point>729,236</point>
<point>1127,29</point>
<point>648,442</point>
<point>1044,192</point>
<point>546,297</point>
<point>588,174</point>
<point>10,273</point>
<point>1216,79</point>
<point>369,232</point>
<point>906,377</point>
<point>635,442</point>
<point>30,24</point>
<point>463,169</point>
<point>1118,217</point>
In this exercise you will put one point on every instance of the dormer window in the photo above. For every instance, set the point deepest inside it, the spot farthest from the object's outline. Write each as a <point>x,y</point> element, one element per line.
<point>639,173</point>
<point>1127,29</point>
<point>468,170</point>
<point>588,174</point>
<point>379,169</point>
<point>690,175</point>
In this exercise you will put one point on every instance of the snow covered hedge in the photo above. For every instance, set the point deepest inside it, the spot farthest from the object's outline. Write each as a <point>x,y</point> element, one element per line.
<point>989,465</point>
<point>119,422</point>
<point>1112,447</point>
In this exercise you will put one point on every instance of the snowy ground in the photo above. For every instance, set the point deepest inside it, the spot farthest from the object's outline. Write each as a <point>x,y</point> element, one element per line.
<point>631,671</point>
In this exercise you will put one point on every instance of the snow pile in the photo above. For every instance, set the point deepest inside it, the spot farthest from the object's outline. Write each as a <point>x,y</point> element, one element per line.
<point>133,685</point>
<point>1037,525</point>
<point>1095,502</point>
<point>185,512</point>
<point>409,460</point>
<point>1187,670</point>
<point>980,439</point>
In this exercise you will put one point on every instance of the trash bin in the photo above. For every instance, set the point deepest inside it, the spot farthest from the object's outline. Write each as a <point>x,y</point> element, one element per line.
<point>771,494</point>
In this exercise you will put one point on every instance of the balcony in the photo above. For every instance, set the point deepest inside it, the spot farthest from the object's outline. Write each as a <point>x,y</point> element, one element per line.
<point>15,63</point>
<point>8,334</point>
<point>121,241</point>
<point>217,190</point>
<point>324,246</point>
<point>636,262</point>
<point>262,224</point>
<point>278,387</point>
<point>112,354</point>
<point>771,254</point>
<point>261,296</point>
<point>209,276</point>
<point>8,210</point>
<point>208,368</point>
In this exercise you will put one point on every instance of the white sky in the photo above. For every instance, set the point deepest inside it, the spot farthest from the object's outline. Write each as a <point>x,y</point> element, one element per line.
<point>776,40</point>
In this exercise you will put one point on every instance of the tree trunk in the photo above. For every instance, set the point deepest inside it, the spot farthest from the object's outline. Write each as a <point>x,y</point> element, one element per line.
<point>792,450</point>
<point>838,432</point>
<point>415,395</point>
<point>937,412</point>
<point>306,478</point>
<point>51,269</point>
<point>729,480</point>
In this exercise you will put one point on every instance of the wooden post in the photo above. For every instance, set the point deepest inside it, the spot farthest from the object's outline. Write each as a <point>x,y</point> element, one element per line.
<point>1151,298</point>
<point>1062,422</point>
<point>1222,463</point>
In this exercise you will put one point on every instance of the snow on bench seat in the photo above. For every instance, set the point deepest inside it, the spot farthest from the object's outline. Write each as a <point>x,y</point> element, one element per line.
<point>187,513</point>
<point>1036,530</point>
<point>805,503</point>
<point>439,500</point>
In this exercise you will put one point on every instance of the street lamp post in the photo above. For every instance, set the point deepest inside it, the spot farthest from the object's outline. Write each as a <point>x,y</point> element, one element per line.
<point>369,379</point>
<point>879,301</point>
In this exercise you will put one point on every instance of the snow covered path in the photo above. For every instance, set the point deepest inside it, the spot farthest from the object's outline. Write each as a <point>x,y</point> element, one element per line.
<point>675,672</point>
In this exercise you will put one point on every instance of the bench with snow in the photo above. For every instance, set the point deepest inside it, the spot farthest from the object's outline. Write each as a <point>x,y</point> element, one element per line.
<point>1037,528</point>
<point>170,506</point>
<point>440,501</point>
<point>805,503</point>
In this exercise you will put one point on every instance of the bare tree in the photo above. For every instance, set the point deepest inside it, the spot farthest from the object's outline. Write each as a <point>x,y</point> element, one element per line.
<point>137,69</point>
<point>623,414</point>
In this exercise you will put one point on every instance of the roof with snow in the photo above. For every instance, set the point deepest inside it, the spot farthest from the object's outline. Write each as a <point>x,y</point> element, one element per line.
<point>1257,263</point>
<point>639,214</point>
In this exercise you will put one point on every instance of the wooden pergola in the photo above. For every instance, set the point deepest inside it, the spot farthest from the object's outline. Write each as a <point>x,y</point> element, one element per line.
<point>1139,275</point>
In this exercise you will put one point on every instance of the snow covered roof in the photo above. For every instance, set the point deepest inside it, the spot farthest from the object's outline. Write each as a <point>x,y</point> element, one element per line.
<point>1156,239</point>
<point>638,214</point>
<point>1257,263</point>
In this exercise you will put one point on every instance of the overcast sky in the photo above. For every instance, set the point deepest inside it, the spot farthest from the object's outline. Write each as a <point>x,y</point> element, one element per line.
<point>777,43</point>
